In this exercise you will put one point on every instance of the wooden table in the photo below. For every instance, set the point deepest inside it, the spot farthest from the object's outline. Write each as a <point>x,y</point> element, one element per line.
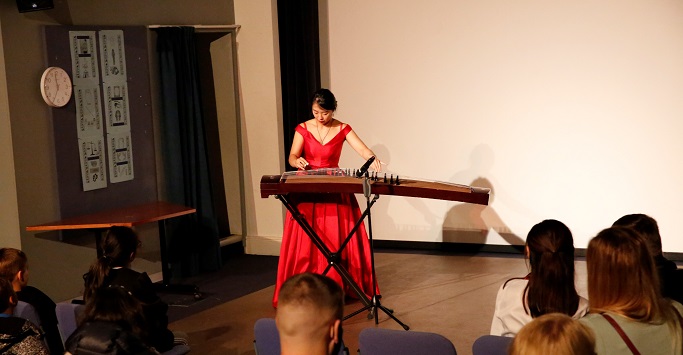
<point>158,211</point>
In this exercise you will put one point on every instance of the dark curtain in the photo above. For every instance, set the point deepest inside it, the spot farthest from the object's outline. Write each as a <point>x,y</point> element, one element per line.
<point>299,62</point>
<point>193,240</point>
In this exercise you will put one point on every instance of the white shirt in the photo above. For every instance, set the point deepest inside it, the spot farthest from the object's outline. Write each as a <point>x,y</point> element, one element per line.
<point>509,316</point>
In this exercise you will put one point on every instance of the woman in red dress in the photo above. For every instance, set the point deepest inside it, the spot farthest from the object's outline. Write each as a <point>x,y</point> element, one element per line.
<point>318,144</point>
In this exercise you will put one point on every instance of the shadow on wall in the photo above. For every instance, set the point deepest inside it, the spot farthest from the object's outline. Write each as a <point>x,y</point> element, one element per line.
<point>471,223</point>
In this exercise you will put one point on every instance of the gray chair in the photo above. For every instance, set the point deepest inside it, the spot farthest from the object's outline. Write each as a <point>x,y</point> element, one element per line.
<point>378,341</point>
<point>68,313</point>
<point>267,338</point>
<point>491,345</point>
<point>27,311</point>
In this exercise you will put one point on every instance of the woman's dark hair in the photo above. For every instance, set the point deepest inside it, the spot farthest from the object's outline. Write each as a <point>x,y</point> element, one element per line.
<point>115,304</point>
<point>551,280</point>
<point>325,99</point>
<point>116,249</point>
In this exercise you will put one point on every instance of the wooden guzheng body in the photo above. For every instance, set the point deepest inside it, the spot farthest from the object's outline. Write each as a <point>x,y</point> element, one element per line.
<point>344,181</point>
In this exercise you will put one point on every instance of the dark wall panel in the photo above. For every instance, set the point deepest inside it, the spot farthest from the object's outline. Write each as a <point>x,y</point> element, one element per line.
<point>143,188</point>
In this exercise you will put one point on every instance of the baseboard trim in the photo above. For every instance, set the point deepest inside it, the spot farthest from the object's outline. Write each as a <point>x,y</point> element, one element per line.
<point>258,245</point>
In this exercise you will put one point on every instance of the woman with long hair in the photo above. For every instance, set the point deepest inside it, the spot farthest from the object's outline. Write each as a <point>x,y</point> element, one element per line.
<point>549,286</point>
<point>318,144</point>
<point>118,249</point>
<point>111,323</point>
<point>627,311</point>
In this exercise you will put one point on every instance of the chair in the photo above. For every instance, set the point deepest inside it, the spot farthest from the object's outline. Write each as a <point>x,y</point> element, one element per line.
<point>27,311</point>
<point>491,345</point>
<point>67,315</point>
<point>378,341</point>
<point>267,338</point>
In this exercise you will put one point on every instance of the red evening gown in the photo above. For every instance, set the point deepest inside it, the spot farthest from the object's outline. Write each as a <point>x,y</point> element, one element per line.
<point>332,216</point>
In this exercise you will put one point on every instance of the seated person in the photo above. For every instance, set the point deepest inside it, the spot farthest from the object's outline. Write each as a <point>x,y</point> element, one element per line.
<point>14,268</point>
<point>18,336</point>
<point>554,333</point>
<point>112,323</point>
<point>118,249</point>
<point>670,277</point>
<point>627,311</point>
<point>548,288</point>
<point>309,314</point>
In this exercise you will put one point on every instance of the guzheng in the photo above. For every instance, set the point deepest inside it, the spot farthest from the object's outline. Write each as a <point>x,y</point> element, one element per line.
<point>335,180</point>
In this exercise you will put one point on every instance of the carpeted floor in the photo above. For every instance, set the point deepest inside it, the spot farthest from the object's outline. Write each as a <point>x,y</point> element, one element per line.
<point>240,275</point>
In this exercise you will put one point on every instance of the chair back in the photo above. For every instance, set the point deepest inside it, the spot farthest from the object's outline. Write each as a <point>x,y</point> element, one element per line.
<point>67,315</point>
<point>27,311</point>
<point>267,338</point>
<point>378,341</point>
<point>491,345</point>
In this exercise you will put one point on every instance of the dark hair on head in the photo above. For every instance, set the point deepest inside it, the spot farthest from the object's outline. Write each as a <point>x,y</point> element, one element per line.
<point>116,249</point>
<point>11,262</point>
<point>325,99</point>
<point>116,305</point>
<point>551,280</point>
<point>7,296</point>
<point>646,226</point>
<point>314,290</point>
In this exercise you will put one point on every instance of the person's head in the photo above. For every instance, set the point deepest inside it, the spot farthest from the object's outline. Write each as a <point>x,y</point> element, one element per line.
<point>117,249</point>
<point>323,105</point>
<point>8,299</point>
<point>309,314</point>
<point>14,267</point>
<point>621,275</point>
<point>115,304</point>
<point>550,250</point>
<point>647,227</point>
<point>554,333</point>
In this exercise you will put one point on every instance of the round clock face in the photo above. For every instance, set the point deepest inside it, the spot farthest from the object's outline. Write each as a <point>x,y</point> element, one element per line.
<point>55,86</point>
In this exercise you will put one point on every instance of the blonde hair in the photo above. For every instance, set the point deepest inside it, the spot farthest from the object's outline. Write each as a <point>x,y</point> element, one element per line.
<point>622,277</point>
<point>554,333</point>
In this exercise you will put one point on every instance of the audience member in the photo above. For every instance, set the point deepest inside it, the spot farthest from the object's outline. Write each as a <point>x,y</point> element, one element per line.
<point>671,280</point>
<point>549,287</point>
<point>554,333</point>
<point>14,268</point>
<point>18,336</point>
<point>309,315</point>
<point>112,268</point>
<point>627,312</point>
<point>112,323</point>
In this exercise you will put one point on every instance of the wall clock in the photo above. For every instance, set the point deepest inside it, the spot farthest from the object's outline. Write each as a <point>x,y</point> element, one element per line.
<point>55,86</point>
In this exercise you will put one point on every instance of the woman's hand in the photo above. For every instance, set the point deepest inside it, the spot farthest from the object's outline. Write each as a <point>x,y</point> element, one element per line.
<point>301,164</point>
<point>376,165</point>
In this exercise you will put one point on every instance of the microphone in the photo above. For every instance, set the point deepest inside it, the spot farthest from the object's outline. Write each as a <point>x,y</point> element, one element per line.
<point>365,167</point>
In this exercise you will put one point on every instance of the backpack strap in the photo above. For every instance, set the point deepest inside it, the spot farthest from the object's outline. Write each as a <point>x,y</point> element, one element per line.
<point>621,333</point>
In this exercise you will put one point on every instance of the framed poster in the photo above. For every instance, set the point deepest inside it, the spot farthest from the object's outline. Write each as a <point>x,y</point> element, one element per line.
<point>113,56</point>
<point>93,170</point>
<point>84,68</point>
<point>120,157</point>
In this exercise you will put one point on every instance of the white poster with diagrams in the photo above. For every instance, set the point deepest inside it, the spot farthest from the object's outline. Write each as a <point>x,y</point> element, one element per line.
<point>116,107</point>
<point>84,68</point>
<point>120,157</point>
<point>112,56</point>
<point>93,169</point>
<point>88,110</point>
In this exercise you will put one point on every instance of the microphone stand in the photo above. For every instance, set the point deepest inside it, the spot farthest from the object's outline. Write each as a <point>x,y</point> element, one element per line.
<point>375,303</point>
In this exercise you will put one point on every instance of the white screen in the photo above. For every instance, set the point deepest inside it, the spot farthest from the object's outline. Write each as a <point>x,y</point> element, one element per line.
<point>570,110</point>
